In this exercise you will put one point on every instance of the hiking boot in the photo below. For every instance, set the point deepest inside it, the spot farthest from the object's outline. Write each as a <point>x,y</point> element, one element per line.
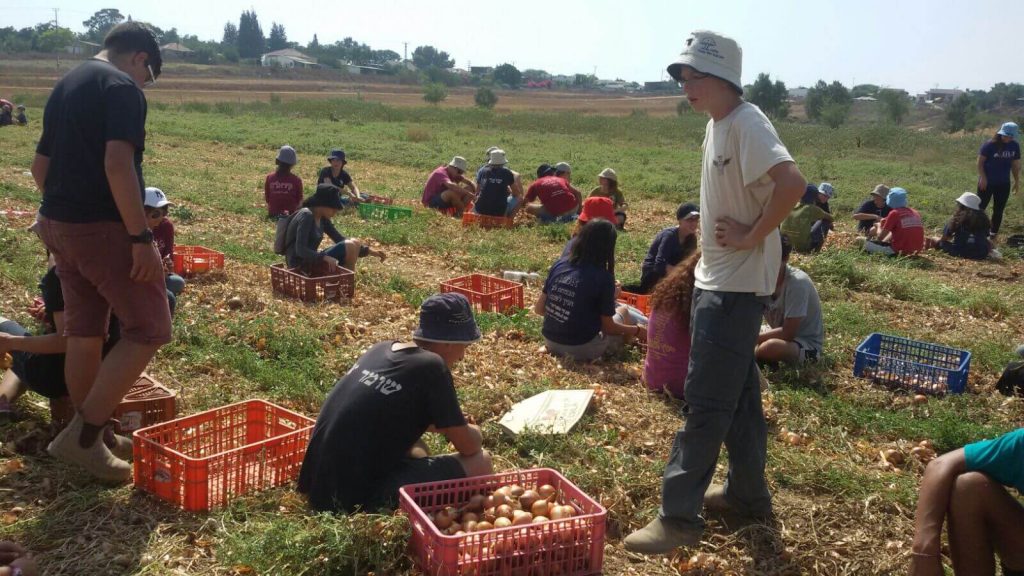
<point>119,446</point>
<point>96,459</point>
<point>716,502</point>
<point>661,537</point>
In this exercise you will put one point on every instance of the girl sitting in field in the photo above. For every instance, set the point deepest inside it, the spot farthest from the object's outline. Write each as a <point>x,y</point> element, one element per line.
<point>307,228</point>
<point>578,299</point>
<point>608,187</point>
<point>668,330</point>
<point>966,233</point>
<point>283,190</point>
<point>337,175</point>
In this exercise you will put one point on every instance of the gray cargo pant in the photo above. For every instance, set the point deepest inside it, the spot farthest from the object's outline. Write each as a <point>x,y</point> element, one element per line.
<point>724,396</point>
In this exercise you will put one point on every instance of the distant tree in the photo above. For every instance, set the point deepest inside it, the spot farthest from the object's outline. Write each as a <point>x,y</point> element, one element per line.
<point>435,93</point>
<point>191,41</point>
<point>508,75</point>
<point>584,80</point>
<point>314,45</point>
<point>962,114</point>
<point>823,95</point>
<point>863,90</point>
<point>485,97</point>
<point>683,107</point>
<point>101,22</point>
<point>251,42</point>
<point>205,55</point>
<point>893,105</point>
<point>230,54</point>
<point>230,37</point>
<point>278,39</point>
<point>835,114</point>
<point>435,75</point>
<point>1006,94</point>
<point>772,98</point>
<point>55,39</point>
<point>170,37</point>
<point>426,56</point>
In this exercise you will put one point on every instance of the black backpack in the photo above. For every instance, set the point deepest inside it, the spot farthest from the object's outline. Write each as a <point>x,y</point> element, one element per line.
<point>1011,383</point>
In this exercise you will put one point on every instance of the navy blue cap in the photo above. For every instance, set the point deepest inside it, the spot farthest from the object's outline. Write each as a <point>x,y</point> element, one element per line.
<point>327,195</point>
<point>337,154</point>
<point>810,195</point>
<point>448,319</point>
<point>686,209</point>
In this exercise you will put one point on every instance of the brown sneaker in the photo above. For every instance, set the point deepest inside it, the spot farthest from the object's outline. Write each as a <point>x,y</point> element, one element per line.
<point>119,446</point>
<point>661,537</point>
<point>716,502</point>
<point>96,459</point>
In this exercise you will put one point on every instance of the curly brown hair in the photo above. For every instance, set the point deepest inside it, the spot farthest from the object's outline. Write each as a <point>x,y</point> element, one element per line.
<point>672,294</point>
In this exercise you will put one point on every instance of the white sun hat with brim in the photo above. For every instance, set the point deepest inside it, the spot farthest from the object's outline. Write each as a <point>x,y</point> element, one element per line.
<point>710,53</point>
<point>497,158</point>
<point>969,200</point>
<point>459,163</point>
<point>609,174</point>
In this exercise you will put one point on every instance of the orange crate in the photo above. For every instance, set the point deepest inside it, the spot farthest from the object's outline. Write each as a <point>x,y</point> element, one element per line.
<point>487,293</point>
<point>571,547</point>
<point>192,260</point>
<point>146,403</point>
<point>484,221</point>
<point>337,284</point>
<point>200,462</point>
<point>641,302</point>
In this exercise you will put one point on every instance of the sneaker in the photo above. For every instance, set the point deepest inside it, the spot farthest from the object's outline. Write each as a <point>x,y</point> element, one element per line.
<point>661,537</point>
<point>96,459</point>
<point>119,446</point>
<point>716,502</point>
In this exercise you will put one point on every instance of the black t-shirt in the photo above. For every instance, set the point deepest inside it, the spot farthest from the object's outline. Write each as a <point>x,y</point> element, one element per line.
<point>577,298</point>
<point>494,182</point>
<point>342,179</point>
<point>91,105</point>
<point>370,420</point>
<point>869,207</point>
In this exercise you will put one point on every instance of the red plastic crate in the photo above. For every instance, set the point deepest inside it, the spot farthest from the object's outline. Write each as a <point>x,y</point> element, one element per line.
<point>147,403</point>
<point>192,260</point>
<point>484,221</point>
<point>571,547</point>
<point>487,293</point>
<point>336,284</point>
<point>200,462</point>
<point>641,302</point>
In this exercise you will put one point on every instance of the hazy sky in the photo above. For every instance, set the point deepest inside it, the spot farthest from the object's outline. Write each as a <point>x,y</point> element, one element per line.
<point>910,44</point>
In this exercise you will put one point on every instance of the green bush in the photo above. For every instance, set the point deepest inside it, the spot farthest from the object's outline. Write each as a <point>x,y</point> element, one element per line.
<point>485,97</point>
<point>435,93</point>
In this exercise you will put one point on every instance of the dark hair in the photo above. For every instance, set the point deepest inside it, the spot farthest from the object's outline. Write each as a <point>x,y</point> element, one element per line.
<point>131,37</point>
<point>972,221</point>
<point>595,245</point>
<point>998,141</point>
<point>283,167</point>
<point>673,293</point>
<point>787,247</point>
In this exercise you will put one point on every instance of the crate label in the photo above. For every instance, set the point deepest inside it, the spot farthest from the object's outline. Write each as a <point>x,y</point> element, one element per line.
<point>162,475</point>
<point>131,420</point>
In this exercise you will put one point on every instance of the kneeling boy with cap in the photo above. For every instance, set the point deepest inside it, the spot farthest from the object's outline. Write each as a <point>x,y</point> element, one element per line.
<point>367,440</point>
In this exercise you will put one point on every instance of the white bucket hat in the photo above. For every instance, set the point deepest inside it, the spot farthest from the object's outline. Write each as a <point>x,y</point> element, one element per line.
<point>459,163</point>
<point>969,200</point>
<point>711,53</point>
<point>609,174</point>
<point>497,158</point>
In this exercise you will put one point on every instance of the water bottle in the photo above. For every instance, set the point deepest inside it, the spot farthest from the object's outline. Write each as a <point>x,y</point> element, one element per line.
<point>519,276</point>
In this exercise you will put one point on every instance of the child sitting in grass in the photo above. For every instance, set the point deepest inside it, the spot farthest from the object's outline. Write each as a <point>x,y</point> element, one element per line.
<point>797,333</point>
<point>899,233</point>
<point>578,299</point>
<point>307,228</point>
<point>608,187</point>
<point>156,206</point>
<point>337,175</point>
<point>806,219</point>
<point>966,235</point>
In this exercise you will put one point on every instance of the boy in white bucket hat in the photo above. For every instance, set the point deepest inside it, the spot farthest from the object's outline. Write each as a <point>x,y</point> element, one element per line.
<point>749,183</point>
<point>448,189</point>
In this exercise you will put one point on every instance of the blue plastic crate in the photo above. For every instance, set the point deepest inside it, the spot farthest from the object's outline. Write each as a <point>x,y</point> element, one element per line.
<point>911,365</point>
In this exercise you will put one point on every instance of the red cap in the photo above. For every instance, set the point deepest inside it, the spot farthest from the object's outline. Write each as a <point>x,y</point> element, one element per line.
<point>598,207</point>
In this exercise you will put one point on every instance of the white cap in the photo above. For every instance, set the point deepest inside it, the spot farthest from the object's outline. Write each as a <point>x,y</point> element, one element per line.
<point>711,53</point>
<point>155,198</point>
<point>459,163</point>
<point>969,200</point>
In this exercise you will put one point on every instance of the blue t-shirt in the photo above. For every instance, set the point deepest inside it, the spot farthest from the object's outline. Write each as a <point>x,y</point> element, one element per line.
<point>869,207</point>
<point>577,298</point>
<point>666,250</point>
<point>966,244</point>
<point>1001,458</point>
<point>999,161</point>
<point>494,182</point>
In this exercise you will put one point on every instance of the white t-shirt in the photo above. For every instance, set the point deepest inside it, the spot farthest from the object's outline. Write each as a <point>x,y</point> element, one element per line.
<point>738,152</point>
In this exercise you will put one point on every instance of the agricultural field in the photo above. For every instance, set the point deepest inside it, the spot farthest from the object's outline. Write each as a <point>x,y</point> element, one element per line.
<point>840,508</point>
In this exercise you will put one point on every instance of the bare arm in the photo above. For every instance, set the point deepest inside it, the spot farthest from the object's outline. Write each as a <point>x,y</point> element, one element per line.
<point>467,439</point>
<point>786,332</point>
<point>40,166</point>
<point>538,306</point>
<point>932,505</point>
<point>866,216</point>
<point>789,187</point>
<point>610,327</point>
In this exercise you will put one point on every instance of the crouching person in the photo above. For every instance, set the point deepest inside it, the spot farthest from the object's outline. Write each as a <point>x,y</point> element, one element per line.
<point>797,333</point>
<point>367,442</point>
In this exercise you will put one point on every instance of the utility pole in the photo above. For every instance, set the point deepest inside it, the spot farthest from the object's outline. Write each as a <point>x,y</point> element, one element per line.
<point>56,24</point>
<point>406,57</point>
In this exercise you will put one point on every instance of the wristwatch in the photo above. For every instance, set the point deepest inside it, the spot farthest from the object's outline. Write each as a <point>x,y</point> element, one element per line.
<point>146,237</point>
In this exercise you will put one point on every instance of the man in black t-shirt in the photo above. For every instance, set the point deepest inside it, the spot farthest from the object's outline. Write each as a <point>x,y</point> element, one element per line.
<point>367,442</point>
<point>501,191</point>
<point>88,167</point>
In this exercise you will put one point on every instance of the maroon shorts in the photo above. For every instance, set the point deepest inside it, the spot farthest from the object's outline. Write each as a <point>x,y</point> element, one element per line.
<point>94,263</point>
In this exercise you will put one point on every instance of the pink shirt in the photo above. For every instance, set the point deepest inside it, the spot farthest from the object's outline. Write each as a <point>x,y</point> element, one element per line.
<point>435,184</point>
<point>668,352</point>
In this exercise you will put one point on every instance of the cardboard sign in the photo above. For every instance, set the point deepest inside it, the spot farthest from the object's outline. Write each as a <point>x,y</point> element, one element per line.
<point>551,412</point>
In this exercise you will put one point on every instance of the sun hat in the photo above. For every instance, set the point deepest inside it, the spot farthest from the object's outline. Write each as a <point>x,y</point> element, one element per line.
<point>827,189</point>
<point>337,154</point>
<point>1009,129</point>
<point>881,191</point>
<point>497,158</point>
<point>544,170</point>
<point>597,207</point>
<point>459,163</point>
<point>609,174</point>
<point>155,198</point>
<point>447,319</point>
<point>327,196</point>
<point>286,155</point>
<point>710,53</point>
<point>897,198</point>
<point>487,153</point>
<point>21,106</point>
<point>969,200</point>
<point>687,210</point>
<point>562,167</point>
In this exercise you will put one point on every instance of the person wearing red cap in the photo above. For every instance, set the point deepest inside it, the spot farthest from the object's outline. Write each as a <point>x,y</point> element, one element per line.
<point>593,208</point>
